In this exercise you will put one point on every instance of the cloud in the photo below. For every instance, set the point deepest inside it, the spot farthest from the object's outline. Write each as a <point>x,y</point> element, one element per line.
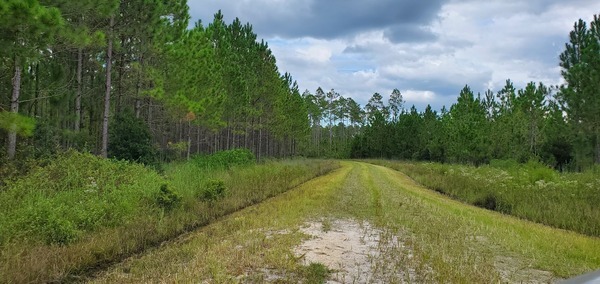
<point>404,20</point>
<point>427,49</point>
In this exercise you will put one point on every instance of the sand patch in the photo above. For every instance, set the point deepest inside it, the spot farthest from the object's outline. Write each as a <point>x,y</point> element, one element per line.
<point>346,246</point>
<point>513,270</point>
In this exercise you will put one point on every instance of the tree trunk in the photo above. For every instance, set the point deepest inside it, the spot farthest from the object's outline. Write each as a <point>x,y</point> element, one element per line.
<point>120,66</point>
<point>78,96</point>
<point>198,140</point>
<point>14,108</point>
<point>36,91</point>
<point>138,86</point>
<point>150,115</point>
<point>260,137</point>
<point>597,147</point>
<point>189,140</point>
<point>104,151</point>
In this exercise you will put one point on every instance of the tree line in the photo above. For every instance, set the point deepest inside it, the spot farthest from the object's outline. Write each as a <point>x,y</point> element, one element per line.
<point>129,79</point>
<point>93,75</point>
<point>557,125</point>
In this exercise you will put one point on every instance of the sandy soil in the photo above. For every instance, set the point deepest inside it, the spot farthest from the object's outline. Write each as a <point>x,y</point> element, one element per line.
<point>346,246</point>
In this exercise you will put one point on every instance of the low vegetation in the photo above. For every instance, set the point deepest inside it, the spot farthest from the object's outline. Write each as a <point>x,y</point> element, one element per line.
<point>530,191</point>
<point>80,211</point>
<point>422,237</point>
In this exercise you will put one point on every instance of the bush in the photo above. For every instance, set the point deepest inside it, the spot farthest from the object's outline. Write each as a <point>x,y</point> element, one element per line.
<point>539,172</point>
<point>130,140</point>
<point>74,194</point>
<point>213,190</point>
<point>167,198</point>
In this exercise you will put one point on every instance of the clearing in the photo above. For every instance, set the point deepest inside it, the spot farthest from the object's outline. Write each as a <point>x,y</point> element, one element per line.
<point>364,224</point>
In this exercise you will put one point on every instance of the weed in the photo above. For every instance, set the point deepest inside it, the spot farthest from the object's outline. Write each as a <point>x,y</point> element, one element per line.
<point>326,225</point>
<point>167,198</point>
<point>213,190</point>
<point>315,273</point>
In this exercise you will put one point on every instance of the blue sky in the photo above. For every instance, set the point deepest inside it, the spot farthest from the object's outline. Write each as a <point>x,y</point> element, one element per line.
<point>427,49</point>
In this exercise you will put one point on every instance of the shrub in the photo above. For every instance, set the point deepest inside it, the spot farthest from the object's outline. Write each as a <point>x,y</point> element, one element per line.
<point>537,172</point>
<point>167,198</point>
<point>130,140</point>
<point>74,194</point>
<point>213,190</point>
<point>56,230</point>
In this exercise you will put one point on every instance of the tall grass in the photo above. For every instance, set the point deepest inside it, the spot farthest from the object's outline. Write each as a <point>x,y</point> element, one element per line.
<point>81,212</point>
<point>530,191</point>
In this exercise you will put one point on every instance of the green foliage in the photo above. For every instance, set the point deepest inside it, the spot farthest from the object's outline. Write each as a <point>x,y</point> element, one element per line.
<point>45,222</point>
<point>130,140</point>
<point>81,210</point>
<point>225,159</point>
<point>503,164</point>
<point>45,140</point>
<point>531,191</point>
<point>23,125</point>
<point>167,198</point>
<point>580,63</point>
<point>315,273</point>
<point>75,193</point>
<point>213,190</point>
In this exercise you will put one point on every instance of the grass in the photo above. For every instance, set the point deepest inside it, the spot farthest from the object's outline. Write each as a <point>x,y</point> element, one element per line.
<point>424,237</point>
<point>81,212</point>
<point>530,191</point>
<point>315,273</point>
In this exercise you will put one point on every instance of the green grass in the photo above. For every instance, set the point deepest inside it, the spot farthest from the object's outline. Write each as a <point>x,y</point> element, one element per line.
<point>81,212</point>
<point>225,159</point>
<point>424,237</point>
<point>315,273</point>
<point>530,191</point>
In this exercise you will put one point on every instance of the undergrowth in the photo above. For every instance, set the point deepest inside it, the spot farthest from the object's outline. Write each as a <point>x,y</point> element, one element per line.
<point>530,191</point>
<point>81,212</point>
<point>225,159</point>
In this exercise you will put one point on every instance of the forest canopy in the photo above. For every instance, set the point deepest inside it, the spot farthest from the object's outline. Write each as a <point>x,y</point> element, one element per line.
<point>75,73</point>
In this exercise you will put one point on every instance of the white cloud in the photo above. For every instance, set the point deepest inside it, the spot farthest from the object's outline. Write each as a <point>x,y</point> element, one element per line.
<point>480,43</point>
<point>413,96</point>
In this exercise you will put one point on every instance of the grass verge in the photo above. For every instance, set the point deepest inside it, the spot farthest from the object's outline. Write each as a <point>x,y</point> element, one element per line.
<point>81,212</point>
<point>530,191</point>
<point>423,237</point>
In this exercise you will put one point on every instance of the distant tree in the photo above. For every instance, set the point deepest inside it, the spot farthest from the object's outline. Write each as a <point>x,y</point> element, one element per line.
<point>332,96</point>
<point>396,104</point>
<point>580,63</point>
<point>466,126</point>
<point>376,105</point>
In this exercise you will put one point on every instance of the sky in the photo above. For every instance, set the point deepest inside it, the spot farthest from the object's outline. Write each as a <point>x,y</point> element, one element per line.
<point>428,50</point>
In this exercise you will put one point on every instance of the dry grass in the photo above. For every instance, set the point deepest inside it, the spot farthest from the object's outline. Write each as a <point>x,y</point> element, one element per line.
<point>423,237</point>
<point>27,261</point>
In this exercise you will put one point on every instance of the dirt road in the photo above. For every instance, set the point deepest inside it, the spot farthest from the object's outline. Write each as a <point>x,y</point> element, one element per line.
<point>364,224</point>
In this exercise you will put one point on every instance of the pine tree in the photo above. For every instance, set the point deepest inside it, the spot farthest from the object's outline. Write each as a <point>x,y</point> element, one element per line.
<point>27,27</point>
<point>580,64</point>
